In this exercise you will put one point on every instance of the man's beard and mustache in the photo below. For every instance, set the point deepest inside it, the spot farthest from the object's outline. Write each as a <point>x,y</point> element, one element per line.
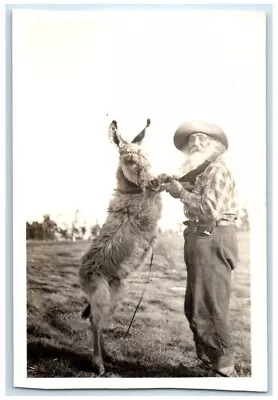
<point>196,156</point>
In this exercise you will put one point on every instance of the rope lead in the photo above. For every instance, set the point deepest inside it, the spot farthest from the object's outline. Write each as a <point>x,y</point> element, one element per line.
<point>138,305</point>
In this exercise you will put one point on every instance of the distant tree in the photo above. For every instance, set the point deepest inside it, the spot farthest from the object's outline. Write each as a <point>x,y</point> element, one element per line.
<point>28,231</point>
<point>245,223</point>
<point>49,228</point>
<point>78,226</point>
<point>159,230</point>
<point>34,231</point>
<point>95,229</point>
<point>63,233</point>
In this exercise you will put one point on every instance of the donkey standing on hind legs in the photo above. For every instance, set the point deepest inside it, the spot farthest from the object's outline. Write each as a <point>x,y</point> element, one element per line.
<point>126,238</point>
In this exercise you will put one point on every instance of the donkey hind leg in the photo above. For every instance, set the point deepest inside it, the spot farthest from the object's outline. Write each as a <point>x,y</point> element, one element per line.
<point>97,357</point>
<point>100,306</point>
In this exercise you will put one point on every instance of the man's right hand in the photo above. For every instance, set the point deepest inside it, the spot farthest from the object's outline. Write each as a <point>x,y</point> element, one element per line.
<point>174,188</point>
<point>187,185</point>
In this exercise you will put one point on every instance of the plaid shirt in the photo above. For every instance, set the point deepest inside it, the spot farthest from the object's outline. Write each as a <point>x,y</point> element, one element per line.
<point>213,196</point>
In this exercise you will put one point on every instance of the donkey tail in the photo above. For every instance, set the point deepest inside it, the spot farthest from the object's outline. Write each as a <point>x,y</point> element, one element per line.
<point>86,312</point>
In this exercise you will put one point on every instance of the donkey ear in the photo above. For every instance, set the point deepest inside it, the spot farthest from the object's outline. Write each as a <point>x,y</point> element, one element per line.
<point>114,135</point>
<point>138,139</point>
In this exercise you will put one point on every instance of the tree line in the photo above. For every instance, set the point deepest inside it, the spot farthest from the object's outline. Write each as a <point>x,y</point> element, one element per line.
<point>50,230</point>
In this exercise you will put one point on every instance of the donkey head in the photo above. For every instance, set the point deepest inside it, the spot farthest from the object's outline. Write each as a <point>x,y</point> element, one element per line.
<point>134,171</point>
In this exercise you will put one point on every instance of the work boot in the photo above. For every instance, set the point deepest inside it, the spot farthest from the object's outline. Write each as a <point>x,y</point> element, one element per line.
<point>204,360</point>
<point>227,373</point>
<point>224,365</point>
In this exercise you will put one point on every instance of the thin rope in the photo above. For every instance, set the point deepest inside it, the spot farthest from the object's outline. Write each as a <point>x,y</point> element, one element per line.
<point>138,305</point>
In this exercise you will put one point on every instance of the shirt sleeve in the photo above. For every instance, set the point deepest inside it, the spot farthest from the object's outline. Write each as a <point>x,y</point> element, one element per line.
<point>217,192</point>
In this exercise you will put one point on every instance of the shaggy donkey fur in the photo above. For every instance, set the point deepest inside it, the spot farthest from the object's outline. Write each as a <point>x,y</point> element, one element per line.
<point>126,239</point>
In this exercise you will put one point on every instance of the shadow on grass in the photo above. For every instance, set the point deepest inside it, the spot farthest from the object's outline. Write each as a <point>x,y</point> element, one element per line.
<point>37,351</point>
<point>81,362</point>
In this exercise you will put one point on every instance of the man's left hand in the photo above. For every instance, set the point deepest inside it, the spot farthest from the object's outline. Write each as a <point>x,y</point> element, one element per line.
<point>174,189</point>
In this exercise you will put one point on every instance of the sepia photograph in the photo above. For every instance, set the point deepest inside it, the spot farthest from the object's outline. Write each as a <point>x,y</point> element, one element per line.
<point>139,181</point>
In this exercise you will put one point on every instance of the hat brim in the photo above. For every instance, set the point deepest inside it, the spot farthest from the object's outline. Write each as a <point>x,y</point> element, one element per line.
<point>183,132</point>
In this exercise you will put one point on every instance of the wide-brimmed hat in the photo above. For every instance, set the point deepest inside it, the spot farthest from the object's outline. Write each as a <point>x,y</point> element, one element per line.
<point>188,128</point>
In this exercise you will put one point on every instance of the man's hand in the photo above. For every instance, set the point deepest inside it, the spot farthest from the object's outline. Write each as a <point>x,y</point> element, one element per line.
<point>174,189</point>
<point>188,186</point>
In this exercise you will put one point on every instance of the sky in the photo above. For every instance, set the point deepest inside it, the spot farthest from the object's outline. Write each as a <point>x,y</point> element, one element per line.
<point>71,69</point>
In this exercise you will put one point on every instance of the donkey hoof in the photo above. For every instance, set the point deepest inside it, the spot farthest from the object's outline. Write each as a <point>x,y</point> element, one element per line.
<point>98,365</point>
<point>153,184</point>
<point>101,370</point>
<point>164,178</point>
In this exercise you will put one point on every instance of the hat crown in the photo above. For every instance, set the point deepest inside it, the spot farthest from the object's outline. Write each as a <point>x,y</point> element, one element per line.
<point>189,127</point>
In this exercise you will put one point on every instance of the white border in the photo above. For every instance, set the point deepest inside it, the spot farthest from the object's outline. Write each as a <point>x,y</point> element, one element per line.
<point>258,381</point>
<point>2,198</point>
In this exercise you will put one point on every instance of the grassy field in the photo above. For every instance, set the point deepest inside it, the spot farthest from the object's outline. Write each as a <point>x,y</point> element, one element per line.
<point>159,343</point>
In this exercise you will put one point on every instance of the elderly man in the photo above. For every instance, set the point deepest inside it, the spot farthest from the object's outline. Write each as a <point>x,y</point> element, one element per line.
<point>210,245</point>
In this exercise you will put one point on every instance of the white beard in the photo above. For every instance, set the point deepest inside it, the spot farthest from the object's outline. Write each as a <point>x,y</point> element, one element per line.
<point>192,161</point>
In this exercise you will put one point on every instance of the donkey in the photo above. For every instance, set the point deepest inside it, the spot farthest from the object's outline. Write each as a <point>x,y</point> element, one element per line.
<point>126,238</point>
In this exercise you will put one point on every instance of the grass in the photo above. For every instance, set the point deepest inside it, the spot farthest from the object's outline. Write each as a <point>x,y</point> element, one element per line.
<point>159,343</point>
